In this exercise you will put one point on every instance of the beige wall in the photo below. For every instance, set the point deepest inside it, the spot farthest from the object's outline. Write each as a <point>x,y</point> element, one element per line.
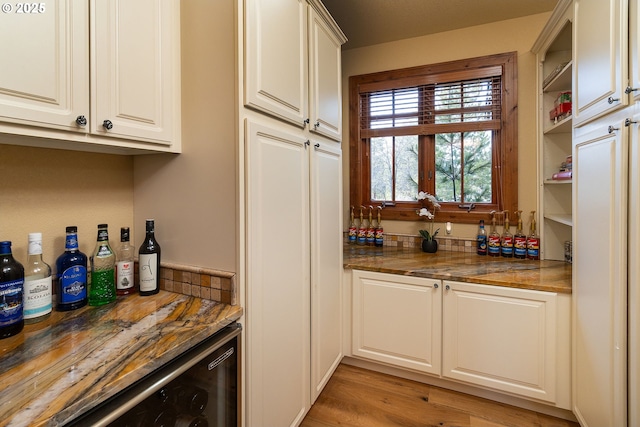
<point>45,190</point>
<point>505,36</point>
<point>192,196</point>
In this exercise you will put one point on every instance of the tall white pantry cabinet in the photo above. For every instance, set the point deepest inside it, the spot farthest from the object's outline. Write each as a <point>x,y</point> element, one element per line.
<point>291,187</point>
<point>606,209</point>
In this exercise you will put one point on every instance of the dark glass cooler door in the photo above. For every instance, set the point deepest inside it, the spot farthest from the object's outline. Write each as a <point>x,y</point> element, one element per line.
<point>198,389</point>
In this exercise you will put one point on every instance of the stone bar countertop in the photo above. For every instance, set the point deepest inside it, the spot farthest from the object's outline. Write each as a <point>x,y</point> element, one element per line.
<point>73,361</point>
<point>551,276</point>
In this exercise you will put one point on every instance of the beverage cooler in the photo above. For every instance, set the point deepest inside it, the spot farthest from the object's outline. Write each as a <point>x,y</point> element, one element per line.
<point>198,389</point>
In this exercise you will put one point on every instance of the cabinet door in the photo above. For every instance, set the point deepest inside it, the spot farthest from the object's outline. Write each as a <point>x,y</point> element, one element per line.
<point>277,279</point>
<point>600,58</point>
<point>600,275</point>
<point>44,77</point>
<point>502,338</point>
<point>276,58</point>
<point>133,69</point>
<point>397,320</point>
<point>325,77</point>
<point>326,263</point>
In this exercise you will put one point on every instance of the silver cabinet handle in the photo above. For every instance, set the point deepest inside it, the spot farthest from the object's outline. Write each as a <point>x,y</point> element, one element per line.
<point>630,89</point>
<point>611,100</point>
<point>447,287</point>
<point>317,124</point>
<point>435,286</point>
<point>628,122</point>
<point>306,122</point>
<point>81,121</point>
<point>611,129</point>
<point>107,125</point>
<point>316,145</point>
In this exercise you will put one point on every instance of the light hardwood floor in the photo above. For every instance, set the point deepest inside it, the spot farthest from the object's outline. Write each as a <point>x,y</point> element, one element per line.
<point>356,397</point>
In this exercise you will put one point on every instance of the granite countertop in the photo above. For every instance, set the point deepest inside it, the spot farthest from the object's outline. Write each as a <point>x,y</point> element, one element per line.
<point>66,365</point>
<point>551,276</point>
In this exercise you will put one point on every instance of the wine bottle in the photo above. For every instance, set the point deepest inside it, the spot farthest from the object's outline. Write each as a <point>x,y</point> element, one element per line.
<point>71,274</point>
<point>482,239</point>
<point>102,288</point>
<point>37,283</point>
<point>124,267</point>
<point>11,289</point>
<point>149,262</point>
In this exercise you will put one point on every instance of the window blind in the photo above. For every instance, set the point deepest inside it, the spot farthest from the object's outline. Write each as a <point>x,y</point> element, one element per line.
<point>429,106</point>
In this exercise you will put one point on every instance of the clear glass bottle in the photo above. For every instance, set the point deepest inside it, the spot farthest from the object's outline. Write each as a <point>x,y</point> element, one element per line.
<point>493,239</point>
<point>506,240</point>
<point>149,262</point>
<point>519,240</point>
<point>124,267</point>
<point>71,274</point>
<point>11,289</point>
<point>102,288</point>
<point>37,283</point>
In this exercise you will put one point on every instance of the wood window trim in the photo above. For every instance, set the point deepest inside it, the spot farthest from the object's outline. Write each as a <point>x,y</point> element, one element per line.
<point>507,156</point>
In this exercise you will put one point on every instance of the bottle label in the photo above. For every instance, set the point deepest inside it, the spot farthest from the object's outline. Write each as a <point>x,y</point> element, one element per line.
<point>353,232</point>
<point>533,248</point>
<point>520,246</point>
<point>507,246</point>
<point>124,275</point>
<point>11,302</point>
<point>37,297</point>
<point>482,244</point>
<point>104,251</point>
<point>494,245</point>
<point>73,284</point>
<point>379,237</point>
<point>71,242</point>
<point>148,265</point>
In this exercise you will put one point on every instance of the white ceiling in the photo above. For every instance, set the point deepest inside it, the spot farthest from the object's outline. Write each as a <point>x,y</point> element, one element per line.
<point>369,22</point>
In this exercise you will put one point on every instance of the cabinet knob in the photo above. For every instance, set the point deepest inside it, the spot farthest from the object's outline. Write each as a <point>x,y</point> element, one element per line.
<point>107,125</point>
<point>435,286</point>
<point>628,122</point>
<point>611,129</point>
<point>317,145</point>
<point>611,100</point>
<point>447,287</point>
<point>81,121</point>
<point>317,124</point>
<point>307,143</point>
<point>630,89</point>
<point>306,121</point>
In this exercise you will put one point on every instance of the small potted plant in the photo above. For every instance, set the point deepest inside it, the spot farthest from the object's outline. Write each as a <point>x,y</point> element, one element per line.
<point>429,244</point>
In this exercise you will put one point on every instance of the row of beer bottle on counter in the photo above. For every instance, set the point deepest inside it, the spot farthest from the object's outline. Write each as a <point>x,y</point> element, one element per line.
<point>518,245</point>
<point>26,292</point>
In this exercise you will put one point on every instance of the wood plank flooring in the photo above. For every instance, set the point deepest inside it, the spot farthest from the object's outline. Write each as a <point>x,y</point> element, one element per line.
<point>356,397</point>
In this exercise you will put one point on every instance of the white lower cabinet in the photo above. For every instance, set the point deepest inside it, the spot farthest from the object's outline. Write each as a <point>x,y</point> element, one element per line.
<point>515,341</point>
<point>397,320</point>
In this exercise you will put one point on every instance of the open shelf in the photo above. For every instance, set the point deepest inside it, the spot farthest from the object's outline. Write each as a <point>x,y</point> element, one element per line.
<point>565,219</point>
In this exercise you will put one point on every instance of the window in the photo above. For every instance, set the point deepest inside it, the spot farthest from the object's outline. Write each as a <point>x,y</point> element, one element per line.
<point>449,129</point>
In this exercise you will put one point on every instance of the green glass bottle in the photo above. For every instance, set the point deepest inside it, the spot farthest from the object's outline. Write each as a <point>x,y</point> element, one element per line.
<point>102,288</point>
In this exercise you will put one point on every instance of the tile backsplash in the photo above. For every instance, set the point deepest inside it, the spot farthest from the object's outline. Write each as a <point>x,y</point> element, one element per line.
<point>445,243</point>
<point>215,285</point>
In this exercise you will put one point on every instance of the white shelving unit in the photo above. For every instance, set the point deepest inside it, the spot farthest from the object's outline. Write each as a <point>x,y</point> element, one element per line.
<point>554,56</point>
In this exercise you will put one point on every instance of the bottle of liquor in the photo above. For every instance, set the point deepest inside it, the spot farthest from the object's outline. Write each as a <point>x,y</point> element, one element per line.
<point>482,239</point>
<point>11,288</point>
<point>71,274</point>
<point>506,240</point>
<point>149,262</point>
<point>362,230</point>
<point>494,239</point>
<point>102,288</point>
<point>371,230</point>
<point>519,240</point>
<point>533,241</point>
<point>37,283</point>
<point>379,230</point>
<point>124,267</point>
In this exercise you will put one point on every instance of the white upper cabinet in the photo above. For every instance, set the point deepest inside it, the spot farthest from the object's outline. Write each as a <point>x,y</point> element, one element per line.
<point>131,68</point>
<point>600,52</point>
<point>292,64</point>
<point>44,76</point>
<point>92,75</point>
